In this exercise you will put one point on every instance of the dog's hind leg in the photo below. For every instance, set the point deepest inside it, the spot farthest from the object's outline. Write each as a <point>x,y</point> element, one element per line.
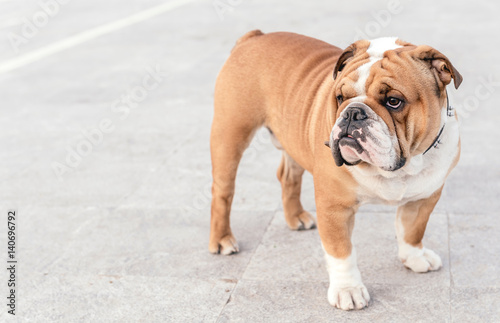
<point>239,110</point>
<point>290,176</point>
<point>230,136</point>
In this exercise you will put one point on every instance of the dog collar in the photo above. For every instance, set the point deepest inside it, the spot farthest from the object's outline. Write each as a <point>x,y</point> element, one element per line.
<point>449,113</point>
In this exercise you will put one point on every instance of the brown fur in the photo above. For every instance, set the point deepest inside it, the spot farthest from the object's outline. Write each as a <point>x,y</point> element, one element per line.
<point>414,217</point>
<point>284,81</point>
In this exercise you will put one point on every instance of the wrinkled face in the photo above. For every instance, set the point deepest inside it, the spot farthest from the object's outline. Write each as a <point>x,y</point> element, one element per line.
<point>390,97</point>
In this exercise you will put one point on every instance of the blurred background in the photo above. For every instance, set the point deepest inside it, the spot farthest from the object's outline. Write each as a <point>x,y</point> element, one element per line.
<point>106,113</point>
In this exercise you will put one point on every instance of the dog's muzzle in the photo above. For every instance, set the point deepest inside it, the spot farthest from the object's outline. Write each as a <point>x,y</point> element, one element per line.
<point>348,131</point>
<point>360,135</point>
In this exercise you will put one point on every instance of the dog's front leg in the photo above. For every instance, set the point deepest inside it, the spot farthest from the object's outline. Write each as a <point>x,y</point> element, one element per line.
<point>335,224</point>
<point>411,222</point>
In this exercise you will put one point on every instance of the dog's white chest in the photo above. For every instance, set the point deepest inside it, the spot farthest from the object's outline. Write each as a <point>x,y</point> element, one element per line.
<point>419,179</point>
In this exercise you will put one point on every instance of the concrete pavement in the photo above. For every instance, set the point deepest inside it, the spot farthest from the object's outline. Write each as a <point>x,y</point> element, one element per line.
<point>106,113</point>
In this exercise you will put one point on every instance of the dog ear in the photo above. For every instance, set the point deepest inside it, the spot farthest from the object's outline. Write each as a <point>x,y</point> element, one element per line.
<point>445,70</point>
<point>348,53</point>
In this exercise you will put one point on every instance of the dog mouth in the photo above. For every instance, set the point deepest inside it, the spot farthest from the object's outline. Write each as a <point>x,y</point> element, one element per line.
<point>346,150</point>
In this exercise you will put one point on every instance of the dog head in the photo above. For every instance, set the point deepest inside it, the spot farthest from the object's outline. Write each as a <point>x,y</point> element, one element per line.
<point>390,97</point>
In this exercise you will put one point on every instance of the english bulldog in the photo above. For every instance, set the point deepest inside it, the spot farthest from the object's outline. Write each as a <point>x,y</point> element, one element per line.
<point>391,137</point>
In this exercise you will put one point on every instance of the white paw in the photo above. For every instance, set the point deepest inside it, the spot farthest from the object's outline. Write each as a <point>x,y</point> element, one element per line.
<point>348,298</point>
<point>422,260</point>
<point>346,290</point>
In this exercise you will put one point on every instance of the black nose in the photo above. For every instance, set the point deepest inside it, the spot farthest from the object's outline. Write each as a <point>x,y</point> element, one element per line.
<point>355,114</point>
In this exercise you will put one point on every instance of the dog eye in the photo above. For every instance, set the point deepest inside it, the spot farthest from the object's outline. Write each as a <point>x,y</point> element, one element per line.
<point>393,103</point>
<point>340,99</point>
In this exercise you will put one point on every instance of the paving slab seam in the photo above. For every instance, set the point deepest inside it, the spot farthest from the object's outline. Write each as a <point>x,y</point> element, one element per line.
<point>228,300</point>
<point>326,281</point>
<point>449,266</point>
<point>246,267</point>
<point>260,242</point>
<point>70,244</point>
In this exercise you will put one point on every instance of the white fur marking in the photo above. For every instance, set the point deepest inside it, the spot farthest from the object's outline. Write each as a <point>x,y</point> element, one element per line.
<point>346,290</point>
<point>418,179</point>
<point>376,51</point>
<point>379,46</point>
<point>419,260</point>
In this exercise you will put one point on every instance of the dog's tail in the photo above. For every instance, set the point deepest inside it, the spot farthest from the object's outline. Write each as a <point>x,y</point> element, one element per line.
<point>247,36</point>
